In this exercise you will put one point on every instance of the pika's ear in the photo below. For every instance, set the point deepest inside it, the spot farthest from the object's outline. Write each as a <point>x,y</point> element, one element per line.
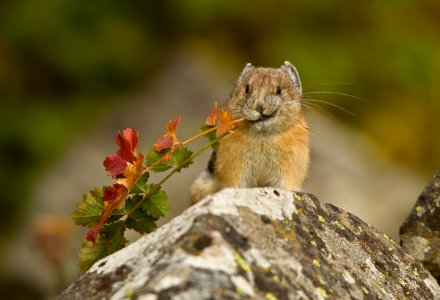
<point>246,69</point>
<point>293,73</point>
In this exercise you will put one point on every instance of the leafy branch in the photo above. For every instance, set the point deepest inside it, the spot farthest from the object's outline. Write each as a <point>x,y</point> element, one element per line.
<point>132,202</point>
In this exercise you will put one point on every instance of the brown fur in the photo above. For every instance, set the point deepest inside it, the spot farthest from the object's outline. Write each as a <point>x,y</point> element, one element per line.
<point>271,147</point>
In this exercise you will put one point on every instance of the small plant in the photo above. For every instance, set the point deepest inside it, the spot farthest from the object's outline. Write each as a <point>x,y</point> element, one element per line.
<point>132,202</point>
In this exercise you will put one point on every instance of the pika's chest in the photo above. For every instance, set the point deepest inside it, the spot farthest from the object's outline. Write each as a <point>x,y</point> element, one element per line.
<point>263,164</point>
<point>251,162</point>
<point>262,155</point>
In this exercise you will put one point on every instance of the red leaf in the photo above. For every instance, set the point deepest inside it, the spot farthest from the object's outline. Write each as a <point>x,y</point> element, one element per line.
<point>114,197</point>
<point>127,143</point>
<point>114,165</point>
<point>163,143</point>
<point>210,120</point>
<point>124,161</point>
<point>225,122</point>
<point>114,194</point>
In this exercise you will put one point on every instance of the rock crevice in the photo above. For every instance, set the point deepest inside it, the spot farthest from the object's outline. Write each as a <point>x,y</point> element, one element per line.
<point>420,233</point>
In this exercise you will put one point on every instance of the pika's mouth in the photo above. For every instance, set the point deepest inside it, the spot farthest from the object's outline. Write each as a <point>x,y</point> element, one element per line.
<point>265,117</point>
<point>260,116</point>
<point>262,119</point>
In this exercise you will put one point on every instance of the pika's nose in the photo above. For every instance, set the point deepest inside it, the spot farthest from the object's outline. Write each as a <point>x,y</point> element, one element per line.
<point>259,107</point>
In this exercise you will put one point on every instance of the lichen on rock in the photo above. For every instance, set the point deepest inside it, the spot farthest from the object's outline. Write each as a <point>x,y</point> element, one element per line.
<point>261,243</point>
<point>420,233</point>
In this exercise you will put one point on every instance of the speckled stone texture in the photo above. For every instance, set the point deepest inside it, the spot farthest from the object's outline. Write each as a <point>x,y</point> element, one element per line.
<point>420,233</point>
<point>259,243</point>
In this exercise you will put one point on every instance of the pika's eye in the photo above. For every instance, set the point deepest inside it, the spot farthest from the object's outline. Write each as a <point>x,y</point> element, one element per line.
<point>247,88</point>
<point>278,90</point>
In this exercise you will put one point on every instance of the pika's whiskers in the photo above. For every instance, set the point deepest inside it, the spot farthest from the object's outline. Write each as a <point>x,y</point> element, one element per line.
<point>313,106</point>
<point>306,100</point>
<point>334,83</point>
<point>337,93</point>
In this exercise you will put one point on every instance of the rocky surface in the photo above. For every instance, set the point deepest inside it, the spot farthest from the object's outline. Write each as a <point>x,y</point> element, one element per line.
<point>420,233</point>
<point>261,244</point>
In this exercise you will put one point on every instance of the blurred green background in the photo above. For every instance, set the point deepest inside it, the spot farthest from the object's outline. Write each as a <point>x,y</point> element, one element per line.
<point>64,63</point>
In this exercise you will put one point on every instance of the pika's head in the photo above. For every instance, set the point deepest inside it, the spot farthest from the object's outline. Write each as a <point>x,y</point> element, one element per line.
<point>268,99</point>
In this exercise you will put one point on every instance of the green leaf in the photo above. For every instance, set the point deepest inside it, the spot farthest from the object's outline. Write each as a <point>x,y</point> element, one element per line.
<point>157,204</point>
<point>153,156</point>
<point>139,220</point>
<point>116,215</point>
<point>210,136</point>
<point>110,240</point>
<point>133,200</point>
<point>88,211</point>
<point>141,184</point>
<point>179,157</point>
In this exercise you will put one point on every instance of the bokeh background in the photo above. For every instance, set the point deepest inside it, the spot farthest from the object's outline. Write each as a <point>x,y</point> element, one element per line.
<point>73,72</point>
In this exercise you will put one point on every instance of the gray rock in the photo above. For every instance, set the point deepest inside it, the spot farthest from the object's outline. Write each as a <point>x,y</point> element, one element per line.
<point>420,233</point>
<point>259,243</point>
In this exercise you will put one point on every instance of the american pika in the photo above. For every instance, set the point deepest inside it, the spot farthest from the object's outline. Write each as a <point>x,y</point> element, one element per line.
<point>270,148</point>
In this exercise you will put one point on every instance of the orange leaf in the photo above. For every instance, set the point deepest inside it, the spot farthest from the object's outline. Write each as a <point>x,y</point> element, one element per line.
<point>172,126</point>
<point>132,173</point>
<point>169,139</point>
<point>210,120</point>
<point>225,122</point>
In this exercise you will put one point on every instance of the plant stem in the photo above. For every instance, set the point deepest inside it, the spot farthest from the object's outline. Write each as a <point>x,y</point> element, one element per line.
<point>194,155</point>
<point>176,169</point>
<point>199,135</point>
<point>137,205</point>
<point>187,142</point>
<point>206,131</point>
